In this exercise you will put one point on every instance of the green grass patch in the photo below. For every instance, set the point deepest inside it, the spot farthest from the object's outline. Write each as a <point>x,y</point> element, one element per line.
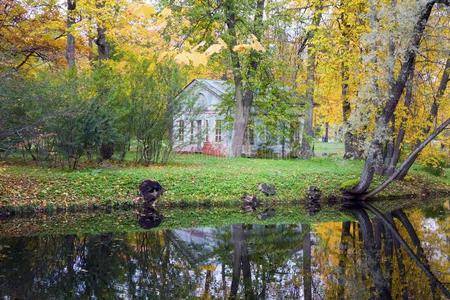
<point>189,180</point>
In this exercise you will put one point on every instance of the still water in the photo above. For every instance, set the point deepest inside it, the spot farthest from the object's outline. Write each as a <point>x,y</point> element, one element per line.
<point>401,254</point>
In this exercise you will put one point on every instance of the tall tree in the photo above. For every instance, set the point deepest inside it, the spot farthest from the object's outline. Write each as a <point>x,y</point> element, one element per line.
<point>395,91</point>
<point>307,150</point>
<point>70,49</point>
<point>243,93</point>
<point>102,44</point>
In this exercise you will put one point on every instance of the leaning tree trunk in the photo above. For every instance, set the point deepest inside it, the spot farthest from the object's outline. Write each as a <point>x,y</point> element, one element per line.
<point>395,92</point>
<point>389,145</point>
<point>408,161</point>
<point>70,49</point>
<point>415,257</point>
<point>434,108</point>
<point>401,131</point>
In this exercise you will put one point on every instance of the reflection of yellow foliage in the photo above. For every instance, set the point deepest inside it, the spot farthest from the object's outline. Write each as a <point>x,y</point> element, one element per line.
<point>241,47</point>
<point>330,237</point>
<point>211,268</point>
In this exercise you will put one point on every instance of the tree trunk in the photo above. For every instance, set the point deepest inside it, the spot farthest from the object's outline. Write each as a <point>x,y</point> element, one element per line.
<point>350,142</point>
<point>243,106</point>
<point>240,262</point>
<point>401,131</point>
<point>422,265</point>
<point>307,150</point>
<point>70,49</point>
<point>307,276</point>
<point>102,44</point>
<point>352,149</point>
<point>395,91</point>
<point>243,95</point>
<point>372,255</point>
<point>389,149</point>
<point>325,137</point>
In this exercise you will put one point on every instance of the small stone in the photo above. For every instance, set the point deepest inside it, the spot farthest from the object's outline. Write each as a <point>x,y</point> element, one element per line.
<point>250,203</point>
<point>150,190</point>
<point>313,196</point>
<point>266,214</point>
<point>267,189</point>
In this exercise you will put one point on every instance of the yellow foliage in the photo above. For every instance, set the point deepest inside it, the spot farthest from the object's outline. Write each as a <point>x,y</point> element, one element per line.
<point>216,48</point>
<point>141,10</point>
<point>191,58</point>
<point>254,45</point>
<point>166,12</point>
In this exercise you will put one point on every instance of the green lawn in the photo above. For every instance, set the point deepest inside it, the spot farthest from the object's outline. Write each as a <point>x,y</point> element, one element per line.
<point>188,179</point>
<point>329,149</point>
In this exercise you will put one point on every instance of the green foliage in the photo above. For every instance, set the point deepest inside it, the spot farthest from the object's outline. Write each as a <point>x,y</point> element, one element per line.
<point>435,163</point>
<point>264,151</point>
<point>348,184</point>
<point>60,117</point>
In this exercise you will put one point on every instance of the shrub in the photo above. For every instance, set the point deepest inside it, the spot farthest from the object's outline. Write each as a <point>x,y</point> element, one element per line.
<point>106,151</point>
<point>265,152</point>
<point>435,163</point>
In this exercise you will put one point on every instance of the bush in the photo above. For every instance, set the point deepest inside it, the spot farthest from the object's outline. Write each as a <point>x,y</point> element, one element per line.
<point>435,163</point>
<point>106,151</point>
<point>265,152</point>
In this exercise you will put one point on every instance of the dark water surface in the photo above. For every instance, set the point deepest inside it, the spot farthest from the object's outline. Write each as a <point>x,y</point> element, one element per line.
<point>360,259</point>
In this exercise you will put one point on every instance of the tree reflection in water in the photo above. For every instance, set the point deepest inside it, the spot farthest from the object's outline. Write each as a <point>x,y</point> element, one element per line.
<point>359,260</point>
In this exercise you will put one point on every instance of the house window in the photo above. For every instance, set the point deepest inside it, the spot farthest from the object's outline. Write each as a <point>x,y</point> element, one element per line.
<point>199,130</point>
<point>218,131</point>
<point>181,130</point>
<point>249,134</point>
<point>206,131</point>
<point>191,139</point>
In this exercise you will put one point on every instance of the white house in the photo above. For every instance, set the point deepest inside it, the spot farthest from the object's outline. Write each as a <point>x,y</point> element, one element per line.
<point>201,129</point>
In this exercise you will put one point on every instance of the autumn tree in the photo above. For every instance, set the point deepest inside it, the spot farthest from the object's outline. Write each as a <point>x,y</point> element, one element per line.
<point>386,109</point>
<point>307,150</point>
<point>70,50</point>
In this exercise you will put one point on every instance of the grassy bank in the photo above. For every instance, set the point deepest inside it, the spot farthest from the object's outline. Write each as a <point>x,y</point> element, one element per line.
<point>127,221</point>
<point>189,180</point>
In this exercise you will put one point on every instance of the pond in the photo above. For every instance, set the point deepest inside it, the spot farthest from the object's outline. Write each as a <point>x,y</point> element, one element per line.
<point>360,253</point>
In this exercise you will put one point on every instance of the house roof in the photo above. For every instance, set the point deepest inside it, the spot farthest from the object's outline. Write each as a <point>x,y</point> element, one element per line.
<point>218,87</point>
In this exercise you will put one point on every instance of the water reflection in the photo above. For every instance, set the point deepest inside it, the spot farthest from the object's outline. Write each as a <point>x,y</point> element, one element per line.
<point>149,217</point>
<point>357,260</point>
